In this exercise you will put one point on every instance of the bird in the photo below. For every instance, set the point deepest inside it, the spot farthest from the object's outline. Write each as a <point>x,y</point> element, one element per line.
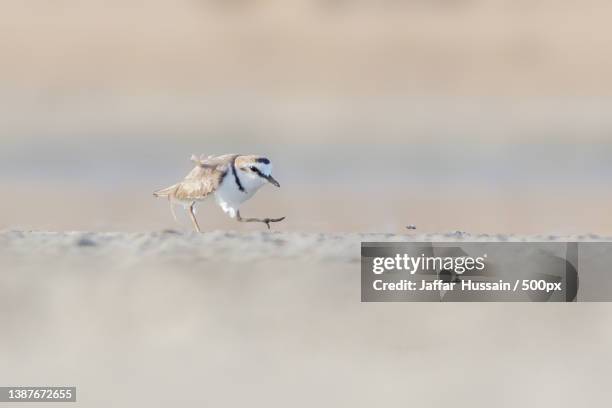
<point>232,178</point>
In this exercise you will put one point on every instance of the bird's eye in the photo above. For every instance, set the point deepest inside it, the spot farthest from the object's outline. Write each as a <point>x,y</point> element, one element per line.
<point>253,168</point>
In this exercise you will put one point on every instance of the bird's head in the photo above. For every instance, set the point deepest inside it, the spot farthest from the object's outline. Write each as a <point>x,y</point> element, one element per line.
<point>256,169</point>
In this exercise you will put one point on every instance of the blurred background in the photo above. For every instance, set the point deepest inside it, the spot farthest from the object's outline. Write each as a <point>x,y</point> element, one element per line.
<point>475,115</point>
<point>487,116</point>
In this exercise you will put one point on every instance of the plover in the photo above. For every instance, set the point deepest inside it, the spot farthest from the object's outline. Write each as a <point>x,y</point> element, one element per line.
<point>232,178</point>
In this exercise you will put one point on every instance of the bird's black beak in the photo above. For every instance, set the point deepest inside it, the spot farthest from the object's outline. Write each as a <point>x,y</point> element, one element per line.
<point>272,180</point>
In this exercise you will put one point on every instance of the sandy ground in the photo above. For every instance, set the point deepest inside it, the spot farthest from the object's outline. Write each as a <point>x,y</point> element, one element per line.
<point>327,208</point>
<point>274,319</point>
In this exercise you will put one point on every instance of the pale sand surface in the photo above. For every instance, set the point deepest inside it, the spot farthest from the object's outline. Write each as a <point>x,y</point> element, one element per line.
<point>327,208</point>
<point>275,319</point>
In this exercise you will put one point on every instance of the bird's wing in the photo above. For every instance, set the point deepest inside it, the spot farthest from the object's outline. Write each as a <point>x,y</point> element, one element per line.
<point>205,178</point>
<point>215,161</point>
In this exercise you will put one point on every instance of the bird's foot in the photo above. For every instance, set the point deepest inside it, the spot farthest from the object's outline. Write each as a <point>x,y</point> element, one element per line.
<point>267,221</point>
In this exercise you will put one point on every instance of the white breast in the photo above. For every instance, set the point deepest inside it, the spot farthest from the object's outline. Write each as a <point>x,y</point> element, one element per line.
<point>230,197</point>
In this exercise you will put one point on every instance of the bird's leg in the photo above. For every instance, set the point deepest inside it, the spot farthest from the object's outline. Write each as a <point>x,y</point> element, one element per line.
<point>172,208</point>
<point>266,221</point>
<point>193,217</point>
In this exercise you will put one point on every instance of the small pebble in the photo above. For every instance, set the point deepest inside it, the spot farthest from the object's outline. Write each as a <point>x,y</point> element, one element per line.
<point>86,242</point>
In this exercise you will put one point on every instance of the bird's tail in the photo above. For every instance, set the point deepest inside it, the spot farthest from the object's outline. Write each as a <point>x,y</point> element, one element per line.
<point>166,192</point>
